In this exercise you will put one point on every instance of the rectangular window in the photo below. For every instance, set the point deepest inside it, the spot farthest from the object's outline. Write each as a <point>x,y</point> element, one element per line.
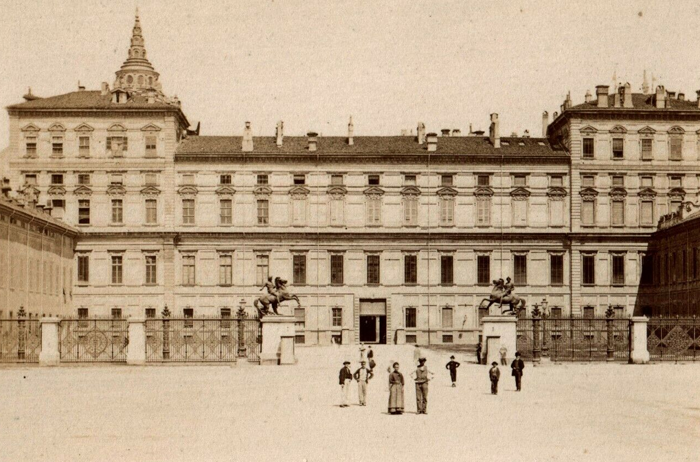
<point>262,269</point>
<point>117,269</point>
<point>520,270</point>
<point>84,178</point>
<point>373,180</point>
<point>84,146</point>
<point>336,180</point>
<point>556,269</point>
<point>188,211</point>
<point>646,213</point>
<point>619,311</point>
<point>588,212</point>
<point>676,146</point>
<point>151,146</point>
<point>588,269</point>
<point>57,146</point>
<point>116,179</point>
<point>447,317</point>
<point>483,180</point>
<point>676,181</point>
<point>446,180</point>
<point>647,276</point>
<point>618,213</point>
<point>262,179</point>
<point>618,148</point>
<point>188,314</point>
<point>555,312</point>
<point>374,212</point>
<point>83,268</point>
<point>151,211</point>
<point>447,211</point>
<point>647,182</point>
<point>299,325</point>
<point>446,269</point>
<point>336,269</point>
<point>618,270</point>
<point>225,314</point>
<point>410,318</point>
<point>299,179</point>
<point>30,179</point>
<point>410,269</point>
<point>30,146</point>
<point>225,270</point>
<point>188,179</point>
<point>588,148</point>
<point>556,181</point>
<point>409,180</point>
<point>225,211</point>
<point>337,315</point>
<point>83,212</point>
<point>483,269</point>
<point>588,312</point>
<point>224,179</point>
<point>647,149</point>
<point>116,313</point>
<point>56,178</point>
<point>150,313</point>
<point>410,212</point>
<point>117,211</point>
<point>618,181</point>
<point>188,270</point>
<point>373,269</point>
<point>263,212</point>
<point>588,181</point>
<point>117,145</point>
<point>151,270</point>
<point>483,211</point>
<point>520,180</point>
<point>151,179</point>
<point>299,270</point>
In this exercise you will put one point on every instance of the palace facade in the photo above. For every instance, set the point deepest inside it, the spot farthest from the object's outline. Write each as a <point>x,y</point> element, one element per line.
<point>385,239</point>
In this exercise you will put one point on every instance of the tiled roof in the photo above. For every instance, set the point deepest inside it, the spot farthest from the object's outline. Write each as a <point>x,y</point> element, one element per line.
<point>88,100</point>
<point>641,101</point>
<point>371,145</point>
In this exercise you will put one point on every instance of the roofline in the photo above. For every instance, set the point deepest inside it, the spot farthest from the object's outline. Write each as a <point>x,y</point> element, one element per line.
<point>32,215</point>
<point>438,158</point>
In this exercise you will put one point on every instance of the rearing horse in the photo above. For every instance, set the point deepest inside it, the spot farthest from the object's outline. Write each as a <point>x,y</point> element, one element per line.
<point>274,298</point>
<point>503,296</point>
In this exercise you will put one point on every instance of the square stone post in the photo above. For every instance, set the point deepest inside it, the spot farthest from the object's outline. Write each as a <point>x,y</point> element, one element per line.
<point>640,353</point>
<point>136,353</point>
<point>273,329</point>
<point>50,355</point>
<point>345,336</point>
<point>400,336</point>
<point>499,331</point>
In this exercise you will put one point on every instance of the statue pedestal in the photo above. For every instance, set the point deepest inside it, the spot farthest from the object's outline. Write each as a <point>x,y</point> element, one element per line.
<point>499,331</point>
<point>274,350</point>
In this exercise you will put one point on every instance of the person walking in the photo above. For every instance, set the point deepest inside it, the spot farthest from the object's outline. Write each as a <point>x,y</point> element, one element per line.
<point>503,351</point>
<point>345,379</point>
<point>421,378</point>
<point>478,353</point>
<point>517,366</point>
<point>396,391</point>
<point>494,376</point>
<point>417,354</point>
<point>452,366</point>
<point>370,358</point>
<point>362,375</point>
<point>362,352</point>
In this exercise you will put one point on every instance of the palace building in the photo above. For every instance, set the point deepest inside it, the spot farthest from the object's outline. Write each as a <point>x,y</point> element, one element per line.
<point>384,238</point>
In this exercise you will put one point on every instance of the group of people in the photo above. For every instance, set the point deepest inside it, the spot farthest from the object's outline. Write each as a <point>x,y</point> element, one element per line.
<point>421,376</point>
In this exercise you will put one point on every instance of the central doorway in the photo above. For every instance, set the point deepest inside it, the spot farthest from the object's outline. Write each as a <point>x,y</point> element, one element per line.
<point>373,321</point>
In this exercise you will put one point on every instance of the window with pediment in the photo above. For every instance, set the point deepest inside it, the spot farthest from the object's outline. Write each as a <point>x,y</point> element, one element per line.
<point>410,202</point>
<point>618,195</point>
<point>373,205</point>
<point>483,195</point>
<point>589,198</point>
<point>447,196</point>
<point>299,199</point>
<point>556,202</point>
<point>519,200</point>
<point>57,137</point>
<point>618,142</point>
<point>31,134</point>
<point>675,143</point>
<point>117,141</point>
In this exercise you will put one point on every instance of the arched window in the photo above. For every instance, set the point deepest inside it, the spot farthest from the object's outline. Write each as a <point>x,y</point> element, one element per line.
<point>130,80</point>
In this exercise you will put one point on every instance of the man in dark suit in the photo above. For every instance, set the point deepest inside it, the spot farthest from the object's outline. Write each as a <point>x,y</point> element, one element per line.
<point>517,366</point>
<point>345,378</point>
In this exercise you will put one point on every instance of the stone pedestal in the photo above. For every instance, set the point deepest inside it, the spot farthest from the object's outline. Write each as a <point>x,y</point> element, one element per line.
<point>499,331</point>
<point>273,329</point>
<point>640,352</point>
<point>287,350</point>
<point>50,355</point>
<point>136,352</point>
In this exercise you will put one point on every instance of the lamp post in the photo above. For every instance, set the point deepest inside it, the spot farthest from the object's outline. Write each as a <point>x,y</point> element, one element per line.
<point>545,334</point>
<point>536,313</point>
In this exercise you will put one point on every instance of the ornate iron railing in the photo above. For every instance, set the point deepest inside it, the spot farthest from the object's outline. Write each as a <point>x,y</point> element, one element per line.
<point>574,339</point>
<point>20,340</point>
<point>674,339</point>
<point>203,340</point>
<point>93,340</point>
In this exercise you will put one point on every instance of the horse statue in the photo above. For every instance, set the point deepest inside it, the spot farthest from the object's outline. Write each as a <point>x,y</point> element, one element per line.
<point>502,293</point>
<point>276,294</point>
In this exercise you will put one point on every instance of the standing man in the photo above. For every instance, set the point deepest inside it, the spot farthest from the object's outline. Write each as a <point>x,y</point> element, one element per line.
<point>494,376</point>
<point>362,375</point>
<point>345,379</point>
<point>478,353</point>
<point>420,377</point>
<point>517,366</point>
<point>503,351</point>
<point>452,366</point>
<point>370,358</point>
<point>416,354</point>
<point>362,351</point>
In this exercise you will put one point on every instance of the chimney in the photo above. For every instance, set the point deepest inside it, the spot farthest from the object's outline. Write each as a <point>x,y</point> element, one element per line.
<point>617,98</point>
<point>494,134</point>
<point>432,140</point>
<point>351,132</point>
<point>279,135</point>
<point>48,208</point>
<point>247,145</point>
<point>601,92</point>
<point>567,102</point>
<point>681,96</point>
<point>545,123</point>
<point>627,95</point>
<point>526,134</point>
<point>554,116</point>
<point>29,96</point>
<point>698,93</point>
<point>660,97</point>
<point>6,188</point>
<point>81,87</point>
<point>313,141</point>
<point>671,94</point>
<point>105,89</point>
<point>445,131</point>
<point>588,96</point>
<point>420,133</point>
<point>456,132</point>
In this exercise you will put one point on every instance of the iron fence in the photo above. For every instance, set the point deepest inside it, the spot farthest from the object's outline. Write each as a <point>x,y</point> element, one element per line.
<point>20,340</point>
<point>203,340</point>
<point>674,339</point>
<point>93,340</point>
<point>574,339</point>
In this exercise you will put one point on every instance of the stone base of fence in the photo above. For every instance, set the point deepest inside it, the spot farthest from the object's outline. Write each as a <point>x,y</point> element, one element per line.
<point>136,353</point>
<point>50,354</point>
<point>639,353</point>
<point>274,350</point>
<point>499,331</point>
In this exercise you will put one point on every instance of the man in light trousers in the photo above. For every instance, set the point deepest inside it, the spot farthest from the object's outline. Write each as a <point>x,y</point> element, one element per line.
<point>345,379</point>
<point>362,375</point>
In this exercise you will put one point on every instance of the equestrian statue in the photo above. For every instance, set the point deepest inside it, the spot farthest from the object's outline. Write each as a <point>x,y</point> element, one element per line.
<point>276,294</point>
<point>502,293</point>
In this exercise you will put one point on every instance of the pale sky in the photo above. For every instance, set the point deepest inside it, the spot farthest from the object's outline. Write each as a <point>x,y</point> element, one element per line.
<point>389,64</point>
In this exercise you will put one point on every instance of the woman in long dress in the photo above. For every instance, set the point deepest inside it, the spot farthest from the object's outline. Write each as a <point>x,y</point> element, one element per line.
<point>396,391</point>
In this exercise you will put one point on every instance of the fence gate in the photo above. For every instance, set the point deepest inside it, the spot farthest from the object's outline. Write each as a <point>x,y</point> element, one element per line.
<point>93,340</point>
<point>674,339</point>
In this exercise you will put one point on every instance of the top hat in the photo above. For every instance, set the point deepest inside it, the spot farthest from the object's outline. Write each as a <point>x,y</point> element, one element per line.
<point>452,357</point>
<point>346,362</point>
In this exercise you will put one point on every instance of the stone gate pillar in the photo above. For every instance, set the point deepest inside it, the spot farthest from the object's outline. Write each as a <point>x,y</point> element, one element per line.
<point>499,331</point>
<point>640,352</point>
<point>50,355</point>
<point>136,353</point>
<point>274,350</point>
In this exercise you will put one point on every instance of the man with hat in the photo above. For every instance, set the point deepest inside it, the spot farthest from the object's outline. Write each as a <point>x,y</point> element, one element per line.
<point>345,381</point>
<point>517,366</point>
<point>452,366</point>
<point>362,375</point>
<point>420,377</point>
<point>494,376</point>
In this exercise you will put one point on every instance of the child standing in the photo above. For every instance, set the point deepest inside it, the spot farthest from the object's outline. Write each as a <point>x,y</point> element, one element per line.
<point>452,366</point>
<point>494,375</point>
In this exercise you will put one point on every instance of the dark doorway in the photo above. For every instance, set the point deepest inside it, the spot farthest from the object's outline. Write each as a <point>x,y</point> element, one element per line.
<point>373,329</point>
